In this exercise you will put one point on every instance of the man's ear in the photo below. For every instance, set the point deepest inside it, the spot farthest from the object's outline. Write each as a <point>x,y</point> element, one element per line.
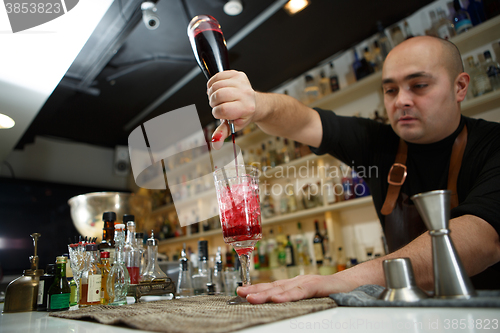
<point>461,85</point>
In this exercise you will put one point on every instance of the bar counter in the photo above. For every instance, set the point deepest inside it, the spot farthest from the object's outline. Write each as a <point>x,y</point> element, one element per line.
<point>339,319</point>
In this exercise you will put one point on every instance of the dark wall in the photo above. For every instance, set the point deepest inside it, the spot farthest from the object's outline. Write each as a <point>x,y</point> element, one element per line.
<point>27,207</point>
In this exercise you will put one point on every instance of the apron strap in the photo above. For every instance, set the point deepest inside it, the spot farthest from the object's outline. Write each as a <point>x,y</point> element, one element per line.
<point>457,153</point>
<point>397,173</point>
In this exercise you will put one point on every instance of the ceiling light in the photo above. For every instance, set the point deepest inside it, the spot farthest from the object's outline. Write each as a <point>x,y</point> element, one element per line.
<point>6,121</point>
<point>292,7</point>
<point>233,7</point>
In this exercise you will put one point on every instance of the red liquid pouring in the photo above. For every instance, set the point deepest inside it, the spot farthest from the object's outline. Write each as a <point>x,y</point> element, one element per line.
<point>209,48</point>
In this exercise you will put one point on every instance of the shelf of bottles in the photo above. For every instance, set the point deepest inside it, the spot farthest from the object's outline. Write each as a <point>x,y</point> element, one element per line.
<point>466,42</point>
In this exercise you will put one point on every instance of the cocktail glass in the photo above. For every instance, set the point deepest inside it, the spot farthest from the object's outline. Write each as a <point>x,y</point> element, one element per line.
<point>77,257</point>
<point>239,207</point>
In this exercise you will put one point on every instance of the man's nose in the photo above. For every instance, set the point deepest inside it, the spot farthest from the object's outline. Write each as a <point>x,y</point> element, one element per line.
<point>404,98</point>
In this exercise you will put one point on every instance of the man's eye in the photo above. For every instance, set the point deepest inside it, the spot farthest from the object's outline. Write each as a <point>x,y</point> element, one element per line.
<point>421,86</point>
<point>389,91</point>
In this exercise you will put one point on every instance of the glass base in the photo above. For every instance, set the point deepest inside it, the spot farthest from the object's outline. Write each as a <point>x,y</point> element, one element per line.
<point>237,300</point>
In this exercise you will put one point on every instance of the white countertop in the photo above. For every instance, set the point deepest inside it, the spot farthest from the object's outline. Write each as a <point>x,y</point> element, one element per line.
<point>340,319</point>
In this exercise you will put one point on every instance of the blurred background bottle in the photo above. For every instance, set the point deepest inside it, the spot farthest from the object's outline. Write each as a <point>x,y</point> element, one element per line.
<point>492,69</point>
<point>461,19</point>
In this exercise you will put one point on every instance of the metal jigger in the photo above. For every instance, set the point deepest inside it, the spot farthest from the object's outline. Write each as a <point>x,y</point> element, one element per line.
<point>450,277</point>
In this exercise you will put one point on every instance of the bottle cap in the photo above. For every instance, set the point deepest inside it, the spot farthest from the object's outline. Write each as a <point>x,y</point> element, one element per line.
<point>487,54</point>
<point>139,235</point>
<point>128,217</point>
<point>119,226</point>
<point>151,240</point>
<point>61,260</point>
<point>104,254</point>
<point>109,216</point>
<point>91,247</point>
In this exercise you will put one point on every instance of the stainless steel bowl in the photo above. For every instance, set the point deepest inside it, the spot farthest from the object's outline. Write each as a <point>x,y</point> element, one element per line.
<point>87,210</point>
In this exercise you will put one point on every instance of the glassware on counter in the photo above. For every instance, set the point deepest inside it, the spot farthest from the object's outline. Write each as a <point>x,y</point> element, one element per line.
<point>184,283</point>
<point>118,279</point>
<point>238,198</point>
<point>90,282</point>
<point>153,270</point>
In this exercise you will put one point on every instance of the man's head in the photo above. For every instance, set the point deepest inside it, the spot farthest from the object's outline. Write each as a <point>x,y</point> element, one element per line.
<point>423,84</point>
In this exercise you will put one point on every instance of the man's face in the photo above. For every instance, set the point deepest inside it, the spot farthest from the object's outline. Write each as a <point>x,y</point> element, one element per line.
<point>418,93</point>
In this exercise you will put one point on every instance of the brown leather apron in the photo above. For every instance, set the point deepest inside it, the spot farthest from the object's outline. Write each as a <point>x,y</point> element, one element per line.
<point>402,220</point>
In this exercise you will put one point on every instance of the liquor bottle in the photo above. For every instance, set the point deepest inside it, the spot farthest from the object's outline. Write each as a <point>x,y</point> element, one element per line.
<point>194,225</point>
<point>461,19</point>
<point>377,56</point>
<point>326,244</point>
<point>283,203</point>
<point>105,267</point>
<point>73,297</point>
<point>361,67</point>
<point>268,206</point>
<point>108,234</point>
<point>130,251</point>
<point>255,255</point>
<point>341,261</point>
<point>281,241</point>
<point>90,282</point>
<point>480,81</point>
<point>200,279</point>
<point>432,31</point>
<point>218,278</point>
<point>311,90</point>
<point>397,35</point>
<point>184,285</point>
<point>383,41</point>
<point>273,155</point>
<point>153,270</point>
<point>324,84</point>
<point>58,297</point>
<point>370,57</point>
<point>272,251</point>
<point>302,247</point>
<point>229,257</point>
<point>139,243</point>
<point>290,253</point>
<point>445,28</point>
<point>334,78</point>
<point>476,12</point>
<point>347,185</point>
<point>319,250</point>
<point>118,278</point>
<point>407,30</point>
<point>44,285</point>
<point>330,194</point>
<point>264,161</point>
<point>262,253</point>
<point>492,69</point>
<point>291,198</point>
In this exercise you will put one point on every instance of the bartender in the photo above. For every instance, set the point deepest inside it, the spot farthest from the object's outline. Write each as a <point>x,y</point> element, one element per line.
<point>428,145</point>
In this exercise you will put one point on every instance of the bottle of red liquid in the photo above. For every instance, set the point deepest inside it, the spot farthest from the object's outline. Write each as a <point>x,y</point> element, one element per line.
<point>131,252</point>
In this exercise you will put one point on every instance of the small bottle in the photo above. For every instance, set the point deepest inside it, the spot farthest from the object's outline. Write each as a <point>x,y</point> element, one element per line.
<point>139,239</point>
<point>272,251</point>
<point>319,250</point>
<point>108,234</point>
<point>461,19</point>
<point>302,247</point>
<point>492,69</point>
<point>432,31</point>
<point>273,155</point>
<point>118,278</point>
<point>218,278</point>
<point>407,30</point>
<point>397,35</point>
<point>326,243</point>
<point>153,270</point>
<point>44,284</point>
<point>290,195</point>
<point>347,184</point>
<point>334,78</point>
<point>324,84</point>
<point>445,28</point>
<point>290,253</point>
<point>58,298</point>
<point>200,279</point>
<point>311,90</point>
<point>184,285</point>
<point>383,41</point>
<point>105,267</point>
<point>130,250</point>
<point>90,282</point>
<point>341,261</point>
<point>480,81</point>
<point>73,298</point>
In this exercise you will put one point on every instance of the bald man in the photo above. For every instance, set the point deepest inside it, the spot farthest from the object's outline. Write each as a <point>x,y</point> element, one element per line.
<point>423,83</point>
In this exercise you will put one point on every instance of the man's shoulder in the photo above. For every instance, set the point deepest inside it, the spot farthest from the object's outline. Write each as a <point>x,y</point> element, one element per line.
<point>483,132</point>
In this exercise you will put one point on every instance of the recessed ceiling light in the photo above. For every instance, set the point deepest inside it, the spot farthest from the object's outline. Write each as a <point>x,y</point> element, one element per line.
<point>294,6</point>
<point>233,7</point>
<point>6,121</point>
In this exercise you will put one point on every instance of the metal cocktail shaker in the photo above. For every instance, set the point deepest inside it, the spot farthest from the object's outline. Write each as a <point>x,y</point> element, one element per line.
<point>450,277</point>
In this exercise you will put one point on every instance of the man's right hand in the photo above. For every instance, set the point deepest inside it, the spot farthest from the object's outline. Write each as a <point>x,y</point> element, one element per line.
<point>231,97</point>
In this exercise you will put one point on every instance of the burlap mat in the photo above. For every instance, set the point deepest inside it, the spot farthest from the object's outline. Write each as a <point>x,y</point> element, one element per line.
<point>200,314</point>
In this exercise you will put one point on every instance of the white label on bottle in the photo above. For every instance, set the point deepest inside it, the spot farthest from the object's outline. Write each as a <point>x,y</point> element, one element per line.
<point>94,291</point>
<point>40,292</point>
<point>318,252</point>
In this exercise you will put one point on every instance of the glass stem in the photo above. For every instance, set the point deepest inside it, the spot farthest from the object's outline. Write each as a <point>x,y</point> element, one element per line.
<point>245,267</point>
